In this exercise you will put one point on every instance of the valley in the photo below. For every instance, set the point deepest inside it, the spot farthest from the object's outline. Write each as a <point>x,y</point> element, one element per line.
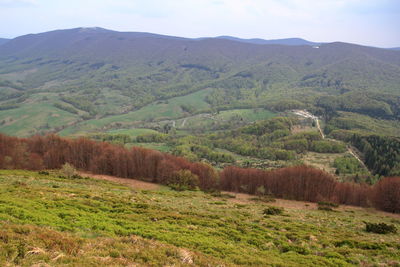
<point>90,91</point>
<point>140,149</point>
<point>182,89</point>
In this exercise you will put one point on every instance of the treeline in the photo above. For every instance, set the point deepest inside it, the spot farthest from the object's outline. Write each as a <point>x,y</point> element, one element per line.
<point>125,138</point>
<point>308,184</point>
<point>152,138</point>
<point>298,183</point>
<point>196,152</point>
<point>51,152</point>
<point>80,103</point>
<point>112,138</point>
<point>381,106</point>
<point>382,153</point>
<point>66,108</point>
<point>6,83</point>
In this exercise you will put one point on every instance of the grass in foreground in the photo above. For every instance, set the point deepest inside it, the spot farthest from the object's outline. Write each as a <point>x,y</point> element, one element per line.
<point>90,221</point>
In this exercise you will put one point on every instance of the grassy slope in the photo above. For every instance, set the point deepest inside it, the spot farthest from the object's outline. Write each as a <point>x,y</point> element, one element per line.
<point>28,245</point>
<point>158,110</point>
<point>97,220</point>
<point>28,119</point>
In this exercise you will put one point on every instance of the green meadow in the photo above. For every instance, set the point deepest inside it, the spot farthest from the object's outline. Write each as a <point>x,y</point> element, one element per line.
<point>50,219</point>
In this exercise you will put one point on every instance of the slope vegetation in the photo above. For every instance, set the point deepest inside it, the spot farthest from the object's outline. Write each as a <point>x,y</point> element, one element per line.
<point>50,219</point>
<point>90,73</point>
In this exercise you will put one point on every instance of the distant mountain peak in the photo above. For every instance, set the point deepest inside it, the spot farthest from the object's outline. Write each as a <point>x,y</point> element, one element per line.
<point>286,41</point>
<point>93,29</point>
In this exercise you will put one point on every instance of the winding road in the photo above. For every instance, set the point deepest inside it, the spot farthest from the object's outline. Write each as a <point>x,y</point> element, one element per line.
<point>306,114</point>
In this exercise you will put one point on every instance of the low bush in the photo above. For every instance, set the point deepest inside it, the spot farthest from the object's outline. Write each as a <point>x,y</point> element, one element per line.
<point>327,206</point>
<point>273,211</point>
<point>68,170</point>
<point>380,228</point>
<point>183,180</point>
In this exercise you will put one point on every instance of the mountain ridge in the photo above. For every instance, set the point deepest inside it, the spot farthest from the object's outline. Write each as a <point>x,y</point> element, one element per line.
<point>260,41</point>
<point>94,72</point>
<point>292,41</point>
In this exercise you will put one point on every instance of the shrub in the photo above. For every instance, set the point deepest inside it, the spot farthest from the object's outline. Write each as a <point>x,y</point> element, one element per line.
<point>183,180</point>
<point>114,254</point>
<point>380,228</point>
<point>260,190</point>
<point>327,206</point>
<point>77,176</point>
<point>296,249</point>
<point>273,211</point>
<point>68,170</point>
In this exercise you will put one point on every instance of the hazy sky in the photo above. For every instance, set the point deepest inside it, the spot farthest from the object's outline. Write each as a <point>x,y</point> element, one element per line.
<point>368,22</point>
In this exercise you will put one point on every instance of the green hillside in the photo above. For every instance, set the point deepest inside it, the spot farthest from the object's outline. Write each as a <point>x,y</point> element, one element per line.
<point>94,78</point>
<point>51,220</point>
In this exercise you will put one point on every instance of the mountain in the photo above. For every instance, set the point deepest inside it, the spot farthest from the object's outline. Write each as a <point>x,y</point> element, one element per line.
<point>52,80</point>
<point>3,40</point>
<point>395,48</point>
<point>287,41</point>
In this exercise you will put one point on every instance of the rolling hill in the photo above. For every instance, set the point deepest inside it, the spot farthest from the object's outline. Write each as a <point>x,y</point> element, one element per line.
<point>53,80</point>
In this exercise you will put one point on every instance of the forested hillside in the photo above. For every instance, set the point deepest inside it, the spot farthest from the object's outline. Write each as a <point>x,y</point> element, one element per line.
<point>65,78</point>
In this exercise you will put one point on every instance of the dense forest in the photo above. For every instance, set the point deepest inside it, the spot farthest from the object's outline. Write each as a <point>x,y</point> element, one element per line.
<point>298,183</point>
<point>382,153</point>
<point>386,106</point>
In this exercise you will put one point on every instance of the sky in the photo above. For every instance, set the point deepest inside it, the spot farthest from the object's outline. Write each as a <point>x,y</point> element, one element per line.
<point>367,22</point>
